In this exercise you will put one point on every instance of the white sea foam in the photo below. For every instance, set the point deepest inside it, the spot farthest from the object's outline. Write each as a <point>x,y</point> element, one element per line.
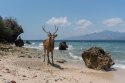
<point>70,47</point>
<point>120,61</point>
<point>74,56</point>
<point>34,46</point>
<point>33,43</point>
<point>56,48</point>
<point>119,66</point>
<point>41,44</point>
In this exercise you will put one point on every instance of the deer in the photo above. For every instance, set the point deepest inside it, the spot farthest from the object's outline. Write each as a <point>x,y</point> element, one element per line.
<point>48,44</point>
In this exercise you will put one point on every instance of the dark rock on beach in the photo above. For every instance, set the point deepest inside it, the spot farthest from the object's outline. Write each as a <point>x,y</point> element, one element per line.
<point>96,58</point>
<point>63,46</point>
<point>19,42</point>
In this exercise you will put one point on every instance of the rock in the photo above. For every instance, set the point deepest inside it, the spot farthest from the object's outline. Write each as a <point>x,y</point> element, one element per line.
<point>35,76</point>
<point>19,42</point>
<point>29,56</point>
<point>22,56</point>
<point>24,76</point>
<point>7,71</point>
<point>63,46</point>
<point>13,81</point>
<point>28,42</point>
<point>96,58</point>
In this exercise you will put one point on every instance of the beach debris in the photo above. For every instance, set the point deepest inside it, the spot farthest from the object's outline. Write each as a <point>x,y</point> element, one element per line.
<point>22,56</point>
<point>29,67</point>
<point>61,61</point>
<point>12,81</point>
<point>34,76</point>
<point>63,46</point>
<point>29,56</point>
<point>24,76</point>
<point>96,58</point>
<point>7,70</point>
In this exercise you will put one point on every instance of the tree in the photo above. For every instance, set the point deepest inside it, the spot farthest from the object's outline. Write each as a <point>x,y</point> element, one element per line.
<point>9,29</point>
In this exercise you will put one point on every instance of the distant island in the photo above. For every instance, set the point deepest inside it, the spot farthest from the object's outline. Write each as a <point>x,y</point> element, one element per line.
<point>104,35</point>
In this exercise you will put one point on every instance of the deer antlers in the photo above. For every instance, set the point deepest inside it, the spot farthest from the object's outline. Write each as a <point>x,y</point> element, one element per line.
<point>44,29</point>
<point>56,29</point>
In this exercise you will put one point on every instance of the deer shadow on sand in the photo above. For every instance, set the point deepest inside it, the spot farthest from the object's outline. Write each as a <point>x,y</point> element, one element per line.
<point>56,66</point>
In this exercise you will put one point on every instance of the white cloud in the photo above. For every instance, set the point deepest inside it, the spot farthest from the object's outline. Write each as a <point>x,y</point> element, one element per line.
<point>84,23</point>
<point>113,22</point>
<point>58,21</point>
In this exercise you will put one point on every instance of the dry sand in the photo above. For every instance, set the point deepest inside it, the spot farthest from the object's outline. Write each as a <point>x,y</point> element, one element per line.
<point>26,66</point>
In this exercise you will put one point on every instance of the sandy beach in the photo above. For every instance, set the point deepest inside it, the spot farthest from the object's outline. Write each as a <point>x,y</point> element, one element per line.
<point>25,65</point>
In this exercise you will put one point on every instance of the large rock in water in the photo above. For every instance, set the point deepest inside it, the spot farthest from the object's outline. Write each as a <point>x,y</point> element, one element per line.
<point>63,46</point>
<point>96,58</point>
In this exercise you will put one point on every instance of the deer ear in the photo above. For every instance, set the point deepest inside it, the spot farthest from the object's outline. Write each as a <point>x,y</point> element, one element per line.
<point>49,34</point>
<point>56,35</point>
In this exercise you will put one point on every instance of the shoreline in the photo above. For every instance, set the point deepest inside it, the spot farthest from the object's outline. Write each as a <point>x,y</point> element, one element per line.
<point>24,65</point>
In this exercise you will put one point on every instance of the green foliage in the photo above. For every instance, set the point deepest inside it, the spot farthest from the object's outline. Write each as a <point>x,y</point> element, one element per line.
<point>9,29</point>
<point>1,23</point>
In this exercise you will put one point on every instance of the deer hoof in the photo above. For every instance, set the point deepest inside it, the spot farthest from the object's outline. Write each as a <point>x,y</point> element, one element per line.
<point>48,62</point>
<point>52,64</point>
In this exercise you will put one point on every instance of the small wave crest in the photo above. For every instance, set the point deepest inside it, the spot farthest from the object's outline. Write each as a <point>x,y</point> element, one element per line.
<point>33,43</point>
<point>119,66</point>
<point>56,48</point>
<point>74,56</point>
<point>70,47</point>
<point>41,44</point>
<point>35,47</point>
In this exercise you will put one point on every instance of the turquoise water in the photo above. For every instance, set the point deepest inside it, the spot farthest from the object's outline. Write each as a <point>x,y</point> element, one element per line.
<point>115,48</point>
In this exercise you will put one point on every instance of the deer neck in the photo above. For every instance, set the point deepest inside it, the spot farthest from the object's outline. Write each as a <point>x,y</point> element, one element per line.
<point>51,42</point>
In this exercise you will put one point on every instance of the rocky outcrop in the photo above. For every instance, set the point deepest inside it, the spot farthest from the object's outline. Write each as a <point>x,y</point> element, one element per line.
<point>9,30</point>
<point>19,42</point>
<point>63,46</point>
<point>96,58</point>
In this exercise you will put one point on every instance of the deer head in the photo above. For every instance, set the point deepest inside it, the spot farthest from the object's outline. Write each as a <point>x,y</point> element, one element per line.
<point>51,35</point>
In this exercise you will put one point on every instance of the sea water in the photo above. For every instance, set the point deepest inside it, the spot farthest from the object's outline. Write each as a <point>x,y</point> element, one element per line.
<point>77,47</point>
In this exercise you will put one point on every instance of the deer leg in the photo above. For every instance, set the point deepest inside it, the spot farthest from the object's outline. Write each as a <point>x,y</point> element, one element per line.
<point>52,58</point>
<point>44,55</point>
<point>48,56</point>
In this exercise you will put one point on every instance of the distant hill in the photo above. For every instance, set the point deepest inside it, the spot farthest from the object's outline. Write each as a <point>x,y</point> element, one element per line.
<point>104,35</point>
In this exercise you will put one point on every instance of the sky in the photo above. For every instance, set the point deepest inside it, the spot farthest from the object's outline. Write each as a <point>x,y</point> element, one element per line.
<point>73,17</point>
